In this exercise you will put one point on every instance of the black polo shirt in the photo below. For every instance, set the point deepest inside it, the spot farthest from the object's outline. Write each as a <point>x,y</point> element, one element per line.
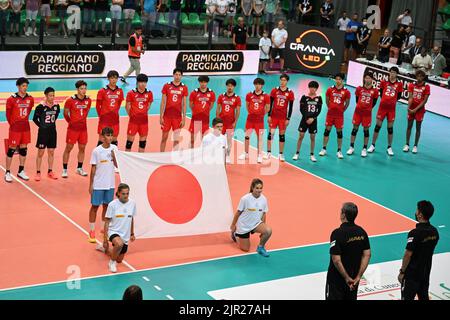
<point>348,241</point>
<point>241,34</point>
<point>421,241</point>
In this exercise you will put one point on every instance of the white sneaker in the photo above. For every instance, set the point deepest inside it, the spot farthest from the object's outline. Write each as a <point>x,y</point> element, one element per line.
<point>323,153</point>
<point>8,177</point>
<point>313,159</point>
<point>27,34</point>
<point>295,157</point>
<point>340,155</point>
<point>259,160</point>
<point>414,150</point>
<point>243,156</point>
<point>371,149</point>
<point>64,174</point>
<point>350,151</point>
<point>22,175</point>
<point>267,156</point>
<point>116,170</point>
<point>205,35</point>
<point>227,159</point>
<point>406,148</point>
<point>81,172</point>
<point>35,34</point>
<point>117,35</point>
<point>99,247</point>
<point>112,266</point>
<point>281,158</point>
<point>390,152</point>
<point>364,153</point>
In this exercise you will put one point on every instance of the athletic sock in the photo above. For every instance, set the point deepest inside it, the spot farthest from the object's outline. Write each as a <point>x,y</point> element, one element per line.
<point>312,153</point>
<point>8,171</point>
<point>269,151</point>
<point>80,165</point>
<point>352,145</point>
<point>21,168</point>
<point>339,150</point>
<point>324,148</point>
<point>281,152</point>
<point>38,172</point>
<point>389,147</point>
<point>374,145</point>
<point>49,170</point>
<point>365,146</point>
<point>91,226</point>
<point>65,166</point>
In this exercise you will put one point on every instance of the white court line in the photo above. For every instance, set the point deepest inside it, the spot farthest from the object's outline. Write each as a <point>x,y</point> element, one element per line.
<point>169,297</point>
<point>157,288</point>
<point>146,279</point>
<point>442,226</point>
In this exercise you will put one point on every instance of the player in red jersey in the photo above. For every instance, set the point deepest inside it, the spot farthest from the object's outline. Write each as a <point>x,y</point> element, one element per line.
<point>281,103</point>
<point>76,110</point>
<point>366,99</point>
<point>390,92</point>
<point>109,100</point>
<point>338,100</point>
<point>418,98</point>
<point>173,108</point>
<point>258,104</point>
<point>139,101</point>
<point>229,109</point>
<point>201,101</point>
<point>18,109</point>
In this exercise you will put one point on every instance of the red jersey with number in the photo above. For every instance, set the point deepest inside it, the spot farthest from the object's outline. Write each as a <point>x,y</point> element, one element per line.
<point>140,104</point>
<point>174,99</point>
<point>203,102</point>
<point>366,99</point>
<point>390,93</point>
<point>78,112</point>
<point>108,105</point>
<point>337,98</point>
<point>418,92</point>
<point>229,105</point>
<point>281,102</point>
<point>256,106</point>
<point>18,111</point>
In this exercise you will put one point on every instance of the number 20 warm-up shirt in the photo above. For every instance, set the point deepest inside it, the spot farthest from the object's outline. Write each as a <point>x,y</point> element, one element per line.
<point>252,210</point>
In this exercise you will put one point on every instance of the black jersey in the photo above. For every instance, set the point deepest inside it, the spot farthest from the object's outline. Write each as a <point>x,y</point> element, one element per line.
<point>45,116</point>
<point>310,107</point>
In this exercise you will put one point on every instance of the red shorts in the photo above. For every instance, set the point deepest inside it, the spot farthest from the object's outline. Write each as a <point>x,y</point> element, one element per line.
<point>134,128</point>
<point>115,128</point>
<point>228,126</point>
<point>362,118</point>
<point>338,122</point>
<point>418,116</point>
<point>171,124</point>
<point>241,46</point>
<point>278,123</point>
<point>386,112</point>
<point>16,138</point>
<point>254,125</point>
<point>204,124</point>
<point>74,136</point>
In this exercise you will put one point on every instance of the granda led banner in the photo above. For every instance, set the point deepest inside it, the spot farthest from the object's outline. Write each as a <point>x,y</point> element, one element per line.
<point>313,49</point>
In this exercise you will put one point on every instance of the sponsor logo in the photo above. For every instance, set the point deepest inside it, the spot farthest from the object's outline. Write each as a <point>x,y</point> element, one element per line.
<point>64,63</point>
<point>205,62</point>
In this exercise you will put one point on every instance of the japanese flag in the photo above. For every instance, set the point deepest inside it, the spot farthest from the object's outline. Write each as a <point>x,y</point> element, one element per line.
<point>178,193</point>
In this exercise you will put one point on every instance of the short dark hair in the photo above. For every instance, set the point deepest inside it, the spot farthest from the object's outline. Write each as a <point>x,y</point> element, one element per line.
<point>142,78</point>
<point>232,82</point>
<point>395,69</point>
<point>216,121</point>
<point>350,210</point>
<point>122,186</point>
<point>48,90</point>
<point>368,74</point>
<point>112,74</point>
<point>254,183</point>
<point>339,75</point>
<point>133,292</point>
<point>203,79</point>
<point>313,84</point>
<point>421,72</point>
<point>138,27</point>
<point>259,81</point>
<point>177,70</point>
<point>21,81</point>
<point>107,131</point>
<point>426,208</point>
<point>408,10</point>
<point>80,83</point>
<point>285,76</point>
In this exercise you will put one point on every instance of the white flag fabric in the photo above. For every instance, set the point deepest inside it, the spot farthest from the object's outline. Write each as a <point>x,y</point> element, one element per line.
<point>178,193</point>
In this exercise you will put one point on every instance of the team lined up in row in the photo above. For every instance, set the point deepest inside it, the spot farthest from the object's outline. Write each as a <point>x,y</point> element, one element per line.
<point>278,106</point>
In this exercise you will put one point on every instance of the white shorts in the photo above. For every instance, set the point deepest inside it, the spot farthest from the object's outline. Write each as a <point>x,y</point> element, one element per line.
<point>45,10</point>
<point>116,12</point>
<point>128,14</point>
<point>31,15</point>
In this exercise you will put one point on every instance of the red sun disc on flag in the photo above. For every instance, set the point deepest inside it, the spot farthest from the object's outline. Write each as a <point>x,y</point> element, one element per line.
<point>174,194</point>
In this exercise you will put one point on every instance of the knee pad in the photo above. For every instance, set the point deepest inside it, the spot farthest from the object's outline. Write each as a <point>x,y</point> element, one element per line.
<point>129,145</point>
<point>366,133</point>
<point>10,152</point>
<point>247,138</point>
<point>327,133</point>
<point>378,128</point>
<point>339,134</point>
<point>390,130</point>
<point>354,132</point>
<point>282,138</point>
<point>23,152</point>
<point>269,136</point>
<point>142,144</point>
<point>115,143</point>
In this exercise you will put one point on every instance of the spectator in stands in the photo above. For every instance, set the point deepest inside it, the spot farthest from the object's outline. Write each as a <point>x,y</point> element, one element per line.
<point>220,16</point>
<point>210,11</point>
<point>409,42</point>
<point>247,8</point>
<point>279,38</point>
<point>423,61</point>
<point>148,16</point>
<point>101,11</point>
<point>439,62</point>
<point>195,6</point>
<point>232,8</point>
<point>174,17</point>
<point>363,35</point>
<point>88,17</point>
<point>398,37</point>
<point>46,13</point>
<point>4,5</point>
<point>343,22</point>
<point>74,9</point>
<point>327,14</point>
<point>405,19</point>
<point>129,10</point>
<point>272,7</point>
<point>351,40</point>
<point>14,17</point>
<point>116,15</point>
<point>133,293</point>
<point>264,51</point>
<point>240,35</point>
<point>292,9</point>
<point>258,9</point>
<point>416,49</point>
<point>32,8</point>
<point>61,12</point>
<point>305,9</point>
<point>384,46</point>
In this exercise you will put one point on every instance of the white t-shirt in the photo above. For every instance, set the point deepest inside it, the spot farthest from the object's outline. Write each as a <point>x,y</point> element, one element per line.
<point>212,139</point>
<point>264,43</point>
<point>121,215</point>
<point>210,4</point>
<point>279,36</point>
<point>253,210</point>
<point>406,20</point>
<point>104,178</point>
<point>412,42</point>
<point>342,23</point>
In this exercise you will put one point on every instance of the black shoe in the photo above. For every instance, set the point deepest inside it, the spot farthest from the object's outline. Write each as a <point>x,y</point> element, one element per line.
<point>233,237</point>
<point>123,80</point>
<point>17,34</point>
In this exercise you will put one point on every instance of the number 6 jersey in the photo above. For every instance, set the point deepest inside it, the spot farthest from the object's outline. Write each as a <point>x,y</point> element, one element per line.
<point>174,98</point>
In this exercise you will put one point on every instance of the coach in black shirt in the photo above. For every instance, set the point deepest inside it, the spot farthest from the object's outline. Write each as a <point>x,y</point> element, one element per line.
<point>350,255</point>
<point>416,267</point>
<point>240,35</point>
